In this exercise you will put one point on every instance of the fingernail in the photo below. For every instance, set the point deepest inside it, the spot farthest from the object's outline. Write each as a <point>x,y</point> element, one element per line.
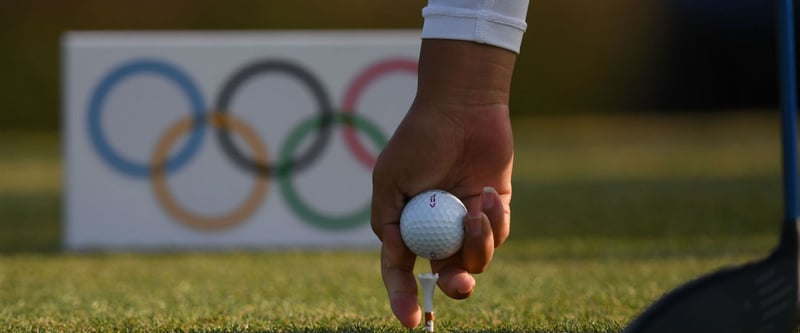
<point>465,290</point>
<point>474,225</point>
<point>487,197</point>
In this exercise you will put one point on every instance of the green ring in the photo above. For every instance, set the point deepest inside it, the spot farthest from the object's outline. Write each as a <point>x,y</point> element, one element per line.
<point>308,214</point>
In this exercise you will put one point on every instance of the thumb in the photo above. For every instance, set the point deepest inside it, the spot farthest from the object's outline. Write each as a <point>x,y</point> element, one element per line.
<point>478,248</point>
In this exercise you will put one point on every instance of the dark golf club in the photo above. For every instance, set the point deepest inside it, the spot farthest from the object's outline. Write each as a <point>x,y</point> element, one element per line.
<point>760,296</point>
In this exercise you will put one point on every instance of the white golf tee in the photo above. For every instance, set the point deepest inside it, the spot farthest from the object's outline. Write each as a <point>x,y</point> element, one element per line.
<point>428,282</point>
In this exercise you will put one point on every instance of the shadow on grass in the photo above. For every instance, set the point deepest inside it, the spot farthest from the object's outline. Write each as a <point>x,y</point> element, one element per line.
<point>588,328</point>
<point>31,222</point>
<point>647,208</point>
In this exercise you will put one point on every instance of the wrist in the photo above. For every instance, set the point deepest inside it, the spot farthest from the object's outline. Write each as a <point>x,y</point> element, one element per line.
<point>464,73</point>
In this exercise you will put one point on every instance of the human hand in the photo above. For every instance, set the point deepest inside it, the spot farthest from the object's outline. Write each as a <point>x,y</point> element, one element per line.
<point>456,137</point>
<point>469,155</point>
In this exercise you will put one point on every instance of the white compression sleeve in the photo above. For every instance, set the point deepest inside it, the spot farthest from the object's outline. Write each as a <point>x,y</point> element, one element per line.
<point>495,22</point>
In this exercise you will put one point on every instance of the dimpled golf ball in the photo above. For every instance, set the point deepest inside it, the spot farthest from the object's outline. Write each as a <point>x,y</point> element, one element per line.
<point>432,224</point>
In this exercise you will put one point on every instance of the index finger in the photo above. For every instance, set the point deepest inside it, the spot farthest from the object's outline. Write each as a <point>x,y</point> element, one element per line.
<point>397,270</point>
<point>387,204</point>
<point>397,261</point>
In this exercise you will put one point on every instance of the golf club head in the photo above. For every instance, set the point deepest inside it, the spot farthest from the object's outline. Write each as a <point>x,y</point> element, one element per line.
<point>760,296</point>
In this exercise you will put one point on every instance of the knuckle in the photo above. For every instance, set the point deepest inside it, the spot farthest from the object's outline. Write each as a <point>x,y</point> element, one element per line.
<point>477,268</point>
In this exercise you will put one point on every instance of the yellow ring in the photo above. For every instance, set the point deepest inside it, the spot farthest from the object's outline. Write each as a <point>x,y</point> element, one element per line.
<point>196,221</point>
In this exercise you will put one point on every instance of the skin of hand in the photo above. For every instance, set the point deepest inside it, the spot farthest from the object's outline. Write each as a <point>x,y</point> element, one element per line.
<point>456,137</point>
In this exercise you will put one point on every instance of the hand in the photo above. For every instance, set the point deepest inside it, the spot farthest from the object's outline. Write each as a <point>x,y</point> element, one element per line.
<point>456,137</point>
<point>462,155</point>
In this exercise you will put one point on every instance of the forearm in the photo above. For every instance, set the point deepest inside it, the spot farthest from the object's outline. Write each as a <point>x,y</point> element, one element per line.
<point>453,72</point>
<point>469,50</point>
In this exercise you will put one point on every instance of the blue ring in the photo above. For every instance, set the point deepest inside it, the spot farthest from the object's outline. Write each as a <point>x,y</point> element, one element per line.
<point>184,82</point>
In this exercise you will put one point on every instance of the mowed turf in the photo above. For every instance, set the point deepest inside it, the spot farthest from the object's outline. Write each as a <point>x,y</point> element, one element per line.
<point>609,213</point>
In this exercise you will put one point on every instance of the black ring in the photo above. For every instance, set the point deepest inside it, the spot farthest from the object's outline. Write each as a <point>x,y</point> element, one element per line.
<point>305,77</point>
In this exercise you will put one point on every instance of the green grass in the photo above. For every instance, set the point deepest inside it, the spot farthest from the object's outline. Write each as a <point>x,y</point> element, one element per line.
<point>609,213</point>
<point>531,287</point>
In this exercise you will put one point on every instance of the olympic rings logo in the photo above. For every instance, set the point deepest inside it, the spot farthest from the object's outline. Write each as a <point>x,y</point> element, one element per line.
<point>221,119</point>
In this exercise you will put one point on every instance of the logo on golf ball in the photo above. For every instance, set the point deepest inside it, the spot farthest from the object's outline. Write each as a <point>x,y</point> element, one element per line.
<point>432,224</point>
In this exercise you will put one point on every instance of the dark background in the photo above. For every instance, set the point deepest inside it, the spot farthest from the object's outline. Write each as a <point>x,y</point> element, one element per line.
<point>577,56</point>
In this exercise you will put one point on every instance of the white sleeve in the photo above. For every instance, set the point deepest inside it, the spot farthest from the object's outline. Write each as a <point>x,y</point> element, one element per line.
<point>495,22</point>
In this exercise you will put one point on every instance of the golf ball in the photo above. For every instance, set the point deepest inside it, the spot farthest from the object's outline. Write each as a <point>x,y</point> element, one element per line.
<point>432,224</point>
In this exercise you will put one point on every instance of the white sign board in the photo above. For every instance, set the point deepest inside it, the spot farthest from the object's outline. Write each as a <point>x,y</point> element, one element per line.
<point>228,140</point>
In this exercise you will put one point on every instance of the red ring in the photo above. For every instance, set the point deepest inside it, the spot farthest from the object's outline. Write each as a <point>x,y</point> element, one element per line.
<point>354,92</point>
